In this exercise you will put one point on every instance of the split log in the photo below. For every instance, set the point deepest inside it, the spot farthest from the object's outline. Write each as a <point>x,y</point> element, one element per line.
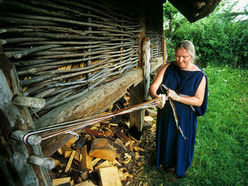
<point>103,165</point>
<point>109,176</point>
<point>61,181</point>
<point>86,162</point>
<point>101,148</point>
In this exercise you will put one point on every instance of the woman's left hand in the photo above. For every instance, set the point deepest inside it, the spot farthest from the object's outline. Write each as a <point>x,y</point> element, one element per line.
<point>173,95</point>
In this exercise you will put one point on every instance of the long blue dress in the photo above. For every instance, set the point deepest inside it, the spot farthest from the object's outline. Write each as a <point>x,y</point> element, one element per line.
<point>172,149</point>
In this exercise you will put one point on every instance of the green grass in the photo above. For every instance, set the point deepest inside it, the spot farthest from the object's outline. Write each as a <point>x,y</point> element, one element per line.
<point>221,150</point>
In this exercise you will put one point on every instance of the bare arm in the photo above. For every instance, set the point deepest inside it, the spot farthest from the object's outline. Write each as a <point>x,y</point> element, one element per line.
<point>157,82</point>
<point>197,99</point>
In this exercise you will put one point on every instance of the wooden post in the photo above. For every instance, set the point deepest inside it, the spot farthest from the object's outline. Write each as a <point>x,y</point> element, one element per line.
<point>15,154</point>
<point>137,117</point>
<point>146,56</point>
<point>163,45</point>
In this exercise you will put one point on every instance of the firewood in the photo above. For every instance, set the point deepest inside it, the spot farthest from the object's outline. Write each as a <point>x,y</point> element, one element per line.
<point>126,161</point>
<point>78,156</point>
<point>117,163</point>
<point>109,176</point>
<point>139,149</point>
<point>114,125</point>
<point>120,145</point>
<point>70,142</point>
<point>124,176</point>
<point>127,155</point>
<point>68,165</point>
<point>95,161</point>
<point>106,163</point>
<point>86,162</point>
<point>94,132</point>
<point>85,175</point>
<point>76,146</point>
<point>86,183</point>
<point>101,148</point>
<point>131,146</point>
<point>67,153</point>
<point>60,181</point>
<point>108,132</point>
<point>122,136</point>
<point>135,139</point>
<point>137,156</point>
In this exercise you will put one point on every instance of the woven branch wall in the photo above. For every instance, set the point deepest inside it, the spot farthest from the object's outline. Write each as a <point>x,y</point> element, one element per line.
<point>63,49</point>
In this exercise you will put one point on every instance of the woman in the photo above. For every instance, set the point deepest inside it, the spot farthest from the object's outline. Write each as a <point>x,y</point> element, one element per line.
<point>187,87</point>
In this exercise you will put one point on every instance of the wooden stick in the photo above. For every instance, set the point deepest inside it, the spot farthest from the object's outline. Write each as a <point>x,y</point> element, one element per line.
<point>19,54</point>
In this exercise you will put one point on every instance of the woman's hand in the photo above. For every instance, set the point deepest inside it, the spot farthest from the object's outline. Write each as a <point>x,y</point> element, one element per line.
<point>173,95</point>
<point>161,100</point>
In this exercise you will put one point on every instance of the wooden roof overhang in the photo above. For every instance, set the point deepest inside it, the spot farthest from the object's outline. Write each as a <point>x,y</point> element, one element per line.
<point>194,10</point>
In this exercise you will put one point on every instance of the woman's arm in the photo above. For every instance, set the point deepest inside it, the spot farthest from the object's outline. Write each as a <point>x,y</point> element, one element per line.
<point>195,100</point>
<point>157,82</point>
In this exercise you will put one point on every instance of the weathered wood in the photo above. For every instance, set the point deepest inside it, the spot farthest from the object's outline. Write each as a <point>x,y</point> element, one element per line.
<point>29,101</point>
<point>146,56</point>
<point>12,116</point>
<point>95,102</point>
<point>164,51</point>
<point>86,105</point>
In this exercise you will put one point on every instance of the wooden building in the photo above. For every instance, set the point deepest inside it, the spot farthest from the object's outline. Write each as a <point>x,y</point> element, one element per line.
<point>62,60</point>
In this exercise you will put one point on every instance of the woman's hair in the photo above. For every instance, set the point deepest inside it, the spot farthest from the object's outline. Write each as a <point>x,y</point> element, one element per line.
<point>189,46</point>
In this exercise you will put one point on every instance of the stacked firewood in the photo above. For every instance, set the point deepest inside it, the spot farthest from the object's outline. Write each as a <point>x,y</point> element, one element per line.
<point>104,154</point>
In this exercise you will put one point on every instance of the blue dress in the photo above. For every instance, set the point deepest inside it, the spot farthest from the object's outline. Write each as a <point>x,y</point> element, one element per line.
<point>172,149</point>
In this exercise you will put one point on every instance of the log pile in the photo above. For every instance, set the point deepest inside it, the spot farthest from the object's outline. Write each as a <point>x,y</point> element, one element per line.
<point>63,49</point>
<point>108,155</point>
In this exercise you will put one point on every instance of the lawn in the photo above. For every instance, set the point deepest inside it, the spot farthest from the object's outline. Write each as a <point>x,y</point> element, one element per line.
<point>221,150</point>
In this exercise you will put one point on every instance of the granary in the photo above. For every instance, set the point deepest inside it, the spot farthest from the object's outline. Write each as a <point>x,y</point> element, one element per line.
<point>62,60</point>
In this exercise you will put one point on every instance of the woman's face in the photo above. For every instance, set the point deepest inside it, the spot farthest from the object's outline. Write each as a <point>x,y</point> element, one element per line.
<point>183,58</point>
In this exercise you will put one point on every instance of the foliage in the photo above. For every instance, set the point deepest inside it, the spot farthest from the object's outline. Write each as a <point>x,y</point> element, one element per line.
<point>220,38</point>
<point>221,147</point>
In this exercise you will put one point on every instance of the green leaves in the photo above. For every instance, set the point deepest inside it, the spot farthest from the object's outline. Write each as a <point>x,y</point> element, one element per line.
<point>219,39</point>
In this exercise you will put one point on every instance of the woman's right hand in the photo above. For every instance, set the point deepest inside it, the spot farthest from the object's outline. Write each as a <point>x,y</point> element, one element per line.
<point>161,100</point>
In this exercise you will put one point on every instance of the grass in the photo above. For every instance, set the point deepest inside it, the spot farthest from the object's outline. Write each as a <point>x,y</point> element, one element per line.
<point>221,150</point>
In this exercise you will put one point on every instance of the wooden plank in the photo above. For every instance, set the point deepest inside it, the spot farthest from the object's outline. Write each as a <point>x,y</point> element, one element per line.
<point>109,176</point>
